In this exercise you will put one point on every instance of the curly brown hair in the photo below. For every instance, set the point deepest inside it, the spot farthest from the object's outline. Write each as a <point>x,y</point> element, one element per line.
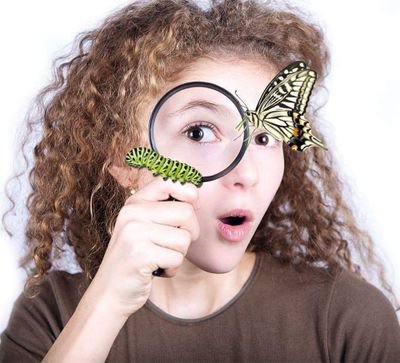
<point>87,123</point>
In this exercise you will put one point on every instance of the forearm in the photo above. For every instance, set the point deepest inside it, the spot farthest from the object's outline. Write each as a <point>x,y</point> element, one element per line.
<point>88,335</point>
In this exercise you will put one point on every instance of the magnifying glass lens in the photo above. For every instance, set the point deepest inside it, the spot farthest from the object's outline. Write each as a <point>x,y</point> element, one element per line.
<point>198,126</point>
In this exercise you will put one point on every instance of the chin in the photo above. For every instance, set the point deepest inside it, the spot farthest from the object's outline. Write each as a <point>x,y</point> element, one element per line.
<point>217,269</point>
<point>214,263</point>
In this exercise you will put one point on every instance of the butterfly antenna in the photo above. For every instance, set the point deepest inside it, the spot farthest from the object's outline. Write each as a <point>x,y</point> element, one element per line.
<point>245,108</point>
<point>243,104</point>
<point>241,123</point>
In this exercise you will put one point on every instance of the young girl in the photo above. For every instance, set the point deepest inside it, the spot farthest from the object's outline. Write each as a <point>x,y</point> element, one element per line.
<point>280,285</point>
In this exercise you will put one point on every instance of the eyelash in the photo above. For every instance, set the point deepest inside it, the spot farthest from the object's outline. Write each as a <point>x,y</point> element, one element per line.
<point>211,126</point>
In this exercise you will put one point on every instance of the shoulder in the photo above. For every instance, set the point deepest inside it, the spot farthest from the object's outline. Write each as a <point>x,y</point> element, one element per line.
<point>341,293</point>
<point>362,323</point>
<point>288,279</point>
<point>354,320</point>
<point>341,290</point>
<point>353,300</point>
<point>351,293</point>
<point>59,288</point>
<point>44,314</point>
<point>62,282</point>
<point>56,297</point>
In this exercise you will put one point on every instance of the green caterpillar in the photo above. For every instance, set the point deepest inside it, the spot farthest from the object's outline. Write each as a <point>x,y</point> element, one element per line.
<point>142,157</point>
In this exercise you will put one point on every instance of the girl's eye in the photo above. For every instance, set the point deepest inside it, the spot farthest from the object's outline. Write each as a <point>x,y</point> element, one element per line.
<point>264,139</point>
<point>200,133</point>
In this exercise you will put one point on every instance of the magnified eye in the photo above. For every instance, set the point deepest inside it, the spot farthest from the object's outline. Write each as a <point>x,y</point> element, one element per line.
<point>195,133</point>
<point>200,133</point>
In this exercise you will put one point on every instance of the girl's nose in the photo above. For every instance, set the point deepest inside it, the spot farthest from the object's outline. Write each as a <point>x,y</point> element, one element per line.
<point>244,175</point>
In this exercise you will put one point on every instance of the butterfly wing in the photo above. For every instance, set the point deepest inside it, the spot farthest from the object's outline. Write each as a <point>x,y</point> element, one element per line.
<point>290,89</point>
<point>302,137</point>
<point>283,103</point>
<point>279,125</point>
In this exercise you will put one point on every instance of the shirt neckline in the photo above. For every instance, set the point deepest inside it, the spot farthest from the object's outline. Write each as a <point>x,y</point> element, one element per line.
<point>182,321</point>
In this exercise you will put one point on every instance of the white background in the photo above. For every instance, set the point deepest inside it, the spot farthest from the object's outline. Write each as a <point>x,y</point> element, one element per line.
<point>362,113</point>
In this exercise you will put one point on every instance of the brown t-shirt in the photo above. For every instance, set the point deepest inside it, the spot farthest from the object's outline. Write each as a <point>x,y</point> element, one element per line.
<point>280,315</point>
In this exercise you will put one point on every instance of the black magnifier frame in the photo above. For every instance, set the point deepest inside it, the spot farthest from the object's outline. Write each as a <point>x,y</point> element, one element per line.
<point>214,87</point>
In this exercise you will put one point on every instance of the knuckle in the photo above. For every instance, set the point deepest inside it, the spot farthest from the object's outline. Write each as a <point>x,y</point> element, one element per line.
<point>140,254</point>
<point>186,237</point>
<point>189,221</point>
<point>187,211</point>
<point>131,232</point>
<point>126,213</point>
<point>196,230</point>
<point>184,240</point>
<point>132,228</point>
<point>193,192</point>
<point>190,193</point>
<point>177,260</point>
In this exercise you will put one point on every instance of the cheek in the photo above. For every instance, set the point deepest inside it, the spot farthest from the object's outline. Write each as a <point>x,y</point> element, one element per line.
<point>271,174</point>
<point>208,194</point>
<point>276,169</point>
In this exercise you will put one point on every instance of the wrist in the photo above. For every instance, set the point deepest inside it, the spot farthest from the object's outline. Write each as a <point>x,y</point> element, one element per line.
<point>97,303</point>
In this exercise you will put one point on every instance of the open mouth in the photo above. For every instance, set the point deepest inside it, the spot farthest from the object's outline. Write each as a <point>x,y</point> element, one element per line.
<point>236,217</point>
<point>233,220</point>
<point>235,225</point>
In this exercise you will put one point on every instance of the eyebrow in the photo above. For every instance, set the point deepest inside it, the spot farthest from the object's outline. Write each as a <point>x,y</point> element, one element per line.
<point>200,103</point>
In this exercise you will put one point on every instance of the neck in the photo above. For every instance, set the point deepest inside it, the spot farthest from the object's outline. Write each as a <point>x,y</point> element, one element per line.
<point>193,293</point>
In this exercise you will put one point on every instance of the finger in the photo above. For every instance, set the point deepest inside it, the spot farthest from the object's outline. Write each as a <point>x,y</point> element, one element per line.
<point>159,257</point>
<point>161,190</point>
<point>177,239</point>
<point>175,214</point>
<point>172,238</point>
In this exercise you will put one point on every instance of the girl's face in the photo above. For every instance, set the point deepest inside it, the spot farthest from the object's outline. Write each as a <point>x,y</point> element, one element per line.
<point>230,208</point>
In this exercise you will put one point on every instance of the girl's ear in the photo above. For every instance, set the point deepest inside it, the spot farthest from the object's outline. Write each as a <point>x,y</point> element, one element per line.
<point>123,176</point>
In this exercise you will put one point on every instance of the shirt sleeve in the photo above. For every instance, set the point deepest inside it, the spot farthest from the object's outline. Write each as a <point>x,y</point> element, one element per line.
<point>35,323</point>
<point>362,323</point>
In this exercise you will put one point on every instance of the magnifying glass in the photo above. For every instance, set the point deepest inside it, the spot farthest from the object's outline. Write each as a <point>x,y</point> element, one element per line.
<point>196,124</point>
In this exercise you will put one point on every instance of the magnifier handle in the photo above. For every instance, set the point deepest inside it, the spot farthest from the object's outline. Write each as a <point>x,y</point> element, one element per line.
<point>159,272</point>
